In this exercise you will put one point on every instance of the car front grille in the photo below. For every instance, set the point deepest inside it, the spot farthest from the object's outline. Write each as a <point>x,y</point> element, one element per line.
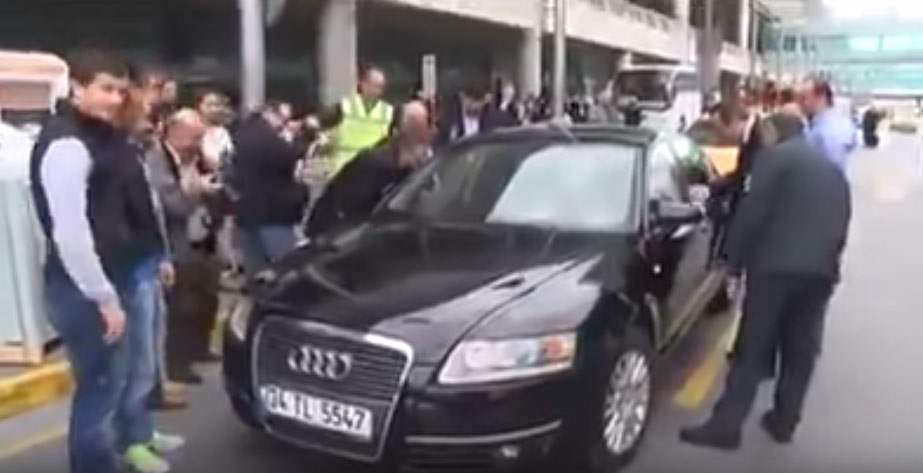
<point>449,459</point>
<point>379,370</point>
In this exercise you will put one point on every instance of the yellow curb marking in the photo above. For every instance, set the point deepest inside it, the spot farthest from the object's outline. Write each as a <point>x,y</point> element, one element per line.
<point>34,388</point>
<point>703,379</point>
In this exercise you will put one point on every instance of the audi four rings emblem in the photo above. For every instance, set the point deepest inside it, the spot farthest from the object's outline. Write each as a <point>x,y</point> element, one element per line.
<point>326,364</point>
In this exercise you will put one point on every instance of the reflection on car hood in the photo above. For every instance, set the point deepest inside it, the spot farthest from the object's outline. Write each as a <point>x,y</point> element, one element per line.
<point>427,285</point>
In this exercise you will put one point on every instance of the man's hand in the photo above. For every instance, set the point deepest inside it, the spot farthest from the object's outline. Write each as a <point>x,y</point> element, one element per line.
<point>733,287</point>
<point>113,320</point>
<point>166,273</point>
<point>312,122</point>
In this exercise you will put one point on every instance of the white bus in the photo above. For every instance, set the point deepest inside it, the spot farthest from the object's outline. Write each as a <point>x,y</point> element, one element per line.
<point>669,95</point>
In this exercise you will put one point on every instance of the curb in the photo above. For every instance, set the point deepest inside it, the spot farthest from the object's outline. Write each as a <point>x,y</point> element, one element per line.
<point>34,388</point>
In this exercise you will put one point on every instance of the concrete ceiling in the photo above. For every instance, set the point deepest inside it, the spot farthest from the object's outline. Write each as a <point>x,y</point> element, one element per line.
<point>793,11</point>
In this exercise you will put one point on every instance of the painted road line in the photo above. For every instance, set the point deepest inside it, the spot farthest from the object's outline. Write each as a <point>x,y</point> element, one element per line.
<point>33,441</point>
<point>34,388</point>
<point>701,382</point>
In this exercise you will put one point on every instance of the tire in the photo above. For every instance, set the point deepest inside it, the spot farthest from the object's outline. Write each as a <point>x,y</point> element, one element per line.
<point>243,414</point>
<point>605,454</point>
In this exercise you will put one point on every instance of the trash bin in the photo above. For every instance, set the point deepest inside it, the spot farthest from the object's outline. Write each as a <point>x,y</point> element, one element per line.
<point>23,327</point>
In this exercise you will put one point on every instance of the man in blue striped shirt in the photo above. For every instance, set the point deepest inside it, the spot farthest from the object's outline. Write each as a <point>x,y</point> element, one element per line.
<point>830,130</point>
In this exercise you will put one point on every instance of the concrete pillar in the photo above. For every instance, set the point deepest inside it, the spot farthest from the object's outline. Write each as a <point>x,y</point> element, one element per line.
<point>746,23</point>
<point>252,54</point>
<point>530,55</point>
<point>338,47</point>
<point>682,12</point>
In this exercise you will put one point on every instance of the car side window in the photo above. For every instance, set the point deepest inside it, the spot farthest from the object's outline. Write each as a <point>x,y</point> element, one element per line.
<point>663,183</point>
<point>693,170</point>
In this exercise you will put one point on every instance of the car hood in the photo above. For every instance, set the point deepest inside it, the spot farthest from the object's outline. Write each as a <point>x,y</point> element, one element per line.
<point>426,285</point>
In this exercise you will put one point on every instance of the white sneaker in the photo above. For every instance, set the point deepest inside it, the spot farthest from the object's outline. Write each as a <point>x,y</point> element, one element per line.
<point>165,443</point>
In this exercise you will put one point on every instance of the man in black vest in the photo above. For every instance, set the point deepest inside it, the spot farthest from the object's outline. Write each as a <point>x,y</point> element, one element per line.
<point>98,223</point>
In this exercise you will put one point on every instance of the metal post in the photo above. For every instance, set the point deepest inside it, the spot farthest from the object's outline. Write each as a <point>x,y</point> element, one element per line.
<point>753,48</point>
<point>709,58</point>
<point>252,54</point>
<point>560,58</point>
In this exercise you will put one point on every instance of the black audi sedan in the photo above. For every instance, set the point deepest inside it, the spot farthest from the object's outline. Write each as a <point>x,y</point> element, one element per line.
<point>501,309</point>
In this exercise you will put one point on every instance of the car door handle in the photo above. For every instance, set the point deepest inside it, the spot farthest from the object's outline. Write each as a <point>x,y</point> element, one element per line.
<point>683,231</point>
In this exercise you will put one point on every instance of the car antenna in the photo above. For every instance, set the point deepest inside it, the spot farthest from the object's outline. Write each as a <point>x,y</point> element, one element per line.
<point>560,126</point>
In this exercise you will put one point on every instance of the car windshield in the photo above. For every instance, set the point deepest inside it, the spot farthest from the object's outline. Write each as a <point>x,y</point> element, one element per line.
<point>581,187</point>
<point>645,86</point>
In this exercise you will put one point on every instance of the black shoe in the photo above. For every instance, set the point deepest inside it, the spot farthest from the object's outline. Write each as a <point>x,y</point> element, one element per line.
<point>773,427</point>
<point>769,374</point>
<point>208,358</point>
<point>710,436</point>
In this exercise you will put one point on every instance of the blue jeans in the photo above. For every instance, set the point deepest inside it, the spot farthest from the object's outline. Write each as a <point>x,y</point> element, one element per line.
<point>99,370</point>
<point>134,420</point>
<point>265,245</point>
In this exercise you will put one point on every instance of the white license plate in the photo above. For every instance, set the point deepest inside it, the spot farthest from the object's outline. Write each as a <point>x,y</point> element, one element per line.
<point>317,412</point>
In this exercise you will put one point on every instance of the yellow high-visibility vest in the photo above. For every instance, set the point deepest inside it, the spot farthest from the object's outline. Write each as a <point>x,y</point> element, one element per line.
<point>359,130</point>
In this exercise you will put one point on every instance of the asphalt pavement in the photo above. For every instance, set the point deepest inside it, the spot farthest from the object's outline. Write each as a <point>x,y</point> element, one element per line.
<point>864,412</point>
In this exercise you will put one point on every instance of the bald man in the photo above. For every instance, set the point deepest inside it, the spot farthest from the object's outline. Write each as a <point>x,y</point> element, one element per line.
<point>183,193</point>
<point>356,190</point>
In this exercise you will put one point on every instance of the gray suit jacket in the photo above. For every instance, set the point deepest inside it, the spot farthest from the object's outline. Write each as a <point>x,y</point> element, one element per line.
<point>794,217</point>
<point>178,208</point>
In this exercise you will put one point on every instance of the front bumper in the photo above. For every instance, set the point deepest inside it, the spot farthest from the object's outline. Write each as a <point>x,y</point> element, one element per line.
<point>507,426</point>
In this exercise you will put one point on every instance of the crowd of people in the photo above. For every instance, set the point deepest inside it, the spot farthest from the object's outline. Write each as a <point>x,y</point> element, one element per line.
<point>788,212</point>
<point>149,205</point>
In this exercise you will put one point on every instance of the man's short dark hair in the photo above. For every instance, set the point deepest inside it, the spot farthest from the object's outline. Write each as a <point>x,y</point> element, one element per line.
<point>367,69</point>
<point>787,96</point>
<point>85,65</point>
<point>786,125</point>
<point>730,111</point>
<point>202,93</point>
<point>475,89</point>
<point>822,88</point>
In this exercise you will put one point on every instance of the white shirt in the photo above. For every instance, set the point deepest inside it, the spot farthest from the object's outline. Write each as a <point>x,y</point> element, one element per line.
<point>471,126</point>
<point>217,145</point>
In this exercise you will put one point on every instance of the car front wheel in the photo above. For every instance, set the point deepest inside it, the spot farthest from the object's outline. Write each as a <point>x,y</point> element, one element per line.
<point>624,404</point>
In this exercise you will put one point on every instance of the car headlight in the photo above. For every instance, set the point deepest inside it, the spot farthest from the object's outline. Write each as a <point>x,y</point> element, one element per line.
<point>484,361</point>
<point>240,316</point>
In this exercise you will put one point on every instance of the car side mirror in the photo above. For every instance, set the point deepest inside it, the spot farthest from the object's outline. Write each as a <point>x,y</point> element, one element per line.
<point>668,213</point>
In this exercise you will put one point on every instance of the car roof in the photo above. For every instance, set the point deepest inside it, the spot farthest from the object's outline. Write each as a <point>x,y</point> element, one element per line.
<point>632,136</point>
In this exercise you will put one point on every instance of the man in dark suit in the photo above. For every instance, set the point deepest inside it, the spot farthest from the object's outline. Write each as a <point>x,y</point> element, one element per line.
<point>469,114</point>
<point>787,236</point>
<point>271,201</point>
<point>355,191</point>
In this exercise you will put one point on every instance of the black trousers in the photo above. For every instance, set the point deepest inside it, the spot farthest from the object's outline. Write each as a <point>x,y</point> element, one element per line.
<point>192,305</point>
<point>785,313</point>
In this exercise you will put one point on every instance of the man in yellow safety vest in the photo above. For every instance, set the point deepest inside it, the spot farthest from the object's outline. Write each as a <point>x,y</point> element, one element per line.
<point>360,121</point>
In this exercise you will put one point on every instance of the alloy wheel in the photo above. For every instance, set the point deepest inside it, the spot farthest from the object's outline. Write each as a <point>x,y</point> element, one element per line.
<point>627,405</point>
